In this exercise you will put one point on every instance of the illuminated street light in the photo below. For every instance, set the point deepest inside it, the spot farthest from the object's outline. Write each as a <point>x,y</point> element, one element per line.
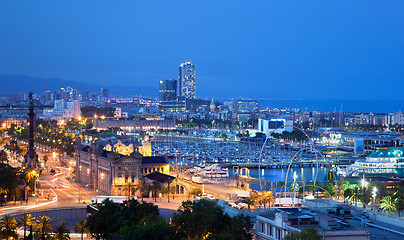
<point>294,186</point>
<point>374,193</point>
<point>364,183</point>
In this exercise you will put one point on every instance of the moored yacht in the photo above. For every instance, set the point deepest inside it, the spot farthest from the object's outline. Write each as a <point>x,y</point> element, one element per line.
<point>210,171</point>
<point>387,162</point>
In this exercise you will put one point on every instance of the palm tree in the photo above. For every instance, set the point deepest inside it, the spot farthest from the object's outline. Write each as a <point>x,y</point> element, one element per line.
<point>347,190</point>
<point>45,159</point>
<point>196,192</point>
<point>250,201</point>
<point>62,231</point>
<point>388,205</point>
<point>26,220</point>
<point>8,225</point>
<point>31,174</point>
<point>266,197</point>
<point>43,226</point>
<point>129,188</point>
<point>399,205</point>
<point>3,157</point>
<point>81,227</point>
<point>16,192</point>
<point>155,187</point>
<point>2,191</point>
<point>143,187</point>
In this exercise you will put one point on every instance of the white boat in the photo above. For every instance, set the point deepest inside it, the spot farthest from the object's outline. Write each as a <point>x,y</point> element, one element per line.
<point>388,162</point>
<point>210,171</point>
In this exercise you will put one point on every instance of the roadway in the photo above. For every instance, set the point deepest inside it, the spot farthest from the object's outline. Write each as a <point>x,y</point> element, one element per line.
<point>55,191</point>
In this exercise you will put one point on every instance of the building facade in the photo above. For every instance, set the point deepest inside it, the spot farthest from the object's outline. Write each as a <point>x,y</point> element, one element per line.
<point>135,124</point>
<point>107,172</point>
<point>277,125</point>
<point>8,122</point>
<point>246,106</point>
<point>167,90</point>
<point>62,111</point>
<point>178,105</point>
<point>276,224</point>
<point>187,80</point>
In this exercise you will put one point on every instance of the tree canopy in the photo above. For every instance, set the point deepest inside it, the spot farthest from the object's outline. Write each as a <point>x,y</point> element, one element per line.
<point>128,220</point>
<point>203,218</point>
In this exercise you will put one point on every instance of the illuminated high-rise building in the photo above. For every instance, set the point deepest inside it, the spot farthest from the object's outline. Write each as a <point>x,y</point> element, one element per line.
<point>167,90</point>
<point>169,101</point>
<point>187,80</point>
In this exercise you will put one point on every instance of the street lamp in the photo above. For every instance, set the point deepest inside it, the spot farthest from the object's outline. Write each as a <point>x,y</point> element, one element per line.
<point>363,183</point>
<point>294,185</point>
<point>374,193</point>
<point>34,176</point>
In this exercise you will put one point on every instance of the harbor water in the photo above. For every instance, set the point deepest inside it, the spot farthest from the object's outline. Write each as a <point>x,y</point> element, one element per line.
<point>279,175</point>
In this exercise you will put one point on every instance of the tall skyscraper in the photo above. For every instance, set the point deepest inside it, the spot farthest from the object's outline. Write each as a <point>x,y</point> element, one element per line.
<point>169,101</point>
<point>187,80</point>
<point>167,90</point>
<point>86,96</point>
<point>103,96</point>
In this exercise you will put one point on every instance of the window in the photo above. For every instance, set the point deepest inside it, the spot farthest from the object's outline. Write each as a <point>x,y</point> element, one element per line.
<point>261,229</point>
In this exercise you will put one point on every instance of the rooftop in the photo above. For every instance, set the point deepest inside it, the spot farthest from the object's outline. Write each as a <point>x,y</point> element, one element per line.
<point>154,160</point>
<point>160,177</point>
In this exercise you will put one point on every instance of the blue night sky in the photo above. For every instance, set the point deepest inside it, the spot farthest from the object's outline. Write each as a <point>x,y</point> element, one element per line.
<point>268,49</point>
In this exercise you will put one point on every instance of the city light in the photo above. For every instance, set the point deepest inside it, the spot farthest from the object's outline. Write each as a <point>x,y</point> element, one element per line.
<point>374,193</point>
<point>364,183</point>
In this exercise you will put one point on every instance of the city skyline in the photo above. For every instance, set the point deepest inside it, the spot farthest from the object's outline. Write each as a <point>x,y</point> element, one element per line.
<point>265,50</point>
<point>201,120</point>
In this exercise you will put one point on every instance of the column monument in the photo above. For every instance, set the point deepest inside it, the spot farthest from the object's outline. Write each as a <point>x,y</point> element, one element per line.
<point>31,158</point>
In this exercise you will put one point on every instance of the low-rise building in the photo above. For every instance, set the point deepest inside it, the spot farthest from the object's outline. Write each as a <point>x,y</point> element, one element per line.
<point>134,124</point>
<point>18,122</point>
<point>276,224</point>
<point>108,172</point>
<point>62,111</point>
<point>277,125</point>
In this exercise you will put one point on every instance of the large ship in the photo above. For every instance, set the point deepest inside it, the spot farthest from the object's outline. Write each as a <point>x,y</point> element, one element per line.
<point>386,162</point>
<point>210,171</point>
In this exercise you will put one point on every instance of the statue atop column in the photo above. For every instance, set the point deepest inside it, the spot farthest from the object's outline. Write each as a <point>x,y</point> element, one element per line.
<point>31,158</point>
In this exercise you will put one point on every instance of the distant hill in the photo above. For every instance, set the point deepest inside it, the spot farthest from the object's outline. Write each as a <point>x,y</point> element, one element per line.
<point>13,84</point>
<point>21,83</point>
